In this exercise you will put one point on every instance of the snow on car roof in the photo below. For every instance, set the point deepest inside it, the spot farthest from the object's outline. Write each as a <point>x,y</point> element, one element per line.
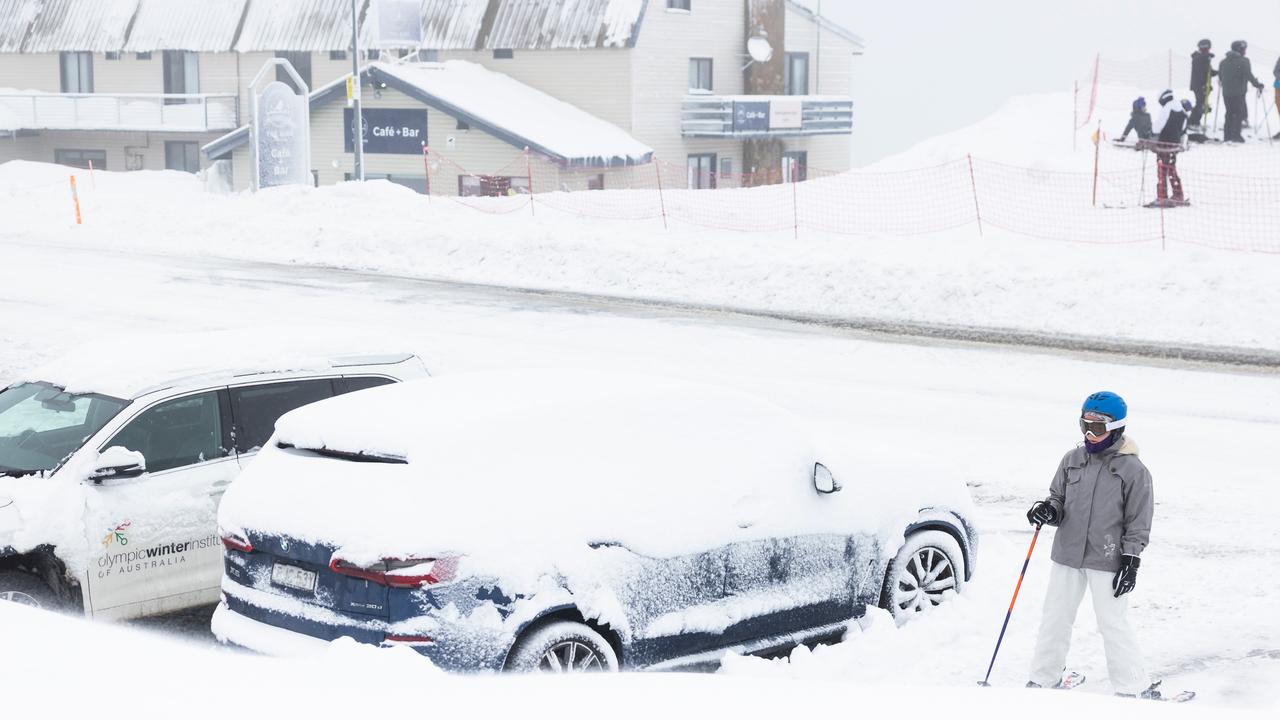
<point>515,461</point>
<point>127,367</point>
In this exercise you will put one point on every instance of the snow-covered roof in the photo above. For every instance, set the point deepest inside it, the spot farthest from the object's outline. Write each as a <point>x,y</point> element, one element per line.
<point>196,25</point>
<point>77,25</point>
<point>297,25</point>
<point>127,367</point>
<point>556,24</point>
<point>15,21</point>
<point>495,104</point>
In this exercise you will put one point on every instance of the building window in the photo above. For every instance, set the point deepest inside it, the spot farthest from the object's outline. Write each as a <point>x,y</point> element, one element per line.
<point>503,54</point>
<point>81,158</point>
<point>142,55</point>
<point>700,74</point>
<point>463,125</point>
<point>702,171</point>
<point>184,156</point>
<point>181,75</point>
<point>301,62</point>
<point>492,185</point>
<point>686,5</point>
<point>77,72</point>
<point>795,166</point>
<point>429,55</point>
<point>796,80</point>
<point>726,167</point>
<point>111,55</point>
<point>337,54</point>
<point>596,182</point>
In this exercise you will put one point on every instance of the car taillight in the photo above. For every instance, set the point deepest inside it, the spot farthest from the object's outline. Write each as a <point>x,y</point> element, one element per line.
<point>400,572</point>
<point>390,639</point>
<point>235,541</point>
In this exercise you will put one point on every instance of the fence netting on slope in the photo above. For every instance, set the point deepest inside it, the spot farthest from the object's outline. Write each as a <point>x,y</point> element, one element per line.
<point>1234,196</point>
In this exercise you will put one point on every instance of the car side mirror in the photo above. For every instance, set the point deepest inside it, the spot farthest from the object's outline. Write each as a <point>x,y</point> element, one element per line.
<point>117,463</point>
<point>823,481</point>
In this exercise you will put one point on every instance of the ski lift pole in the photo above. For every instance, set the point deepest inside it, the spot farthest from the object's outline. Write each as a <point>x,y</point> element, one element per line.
<point>426,170</point>
<point>1097,150</point>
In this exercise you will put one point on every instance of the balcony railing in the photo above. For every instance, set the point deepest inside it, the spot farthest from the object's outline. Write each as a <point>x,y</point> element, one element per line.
<point>134,112</point>
<point>745,116</point>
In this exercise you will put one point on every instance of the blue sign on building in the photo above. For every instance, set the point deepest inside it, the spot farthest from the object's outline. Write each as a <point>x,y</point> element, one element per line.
<point>388,131</point>
<point>750,116</point>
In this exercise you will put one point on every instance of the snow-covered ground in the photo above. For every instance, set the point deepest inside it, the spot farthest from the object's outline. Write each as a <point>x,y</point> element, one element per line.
<point>952,276</point>
<point>997,419</point>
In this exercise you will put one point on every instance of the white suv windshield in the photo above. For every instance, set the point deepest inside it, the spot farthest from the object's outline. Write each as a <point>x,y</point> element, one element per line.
<point>40,425</point>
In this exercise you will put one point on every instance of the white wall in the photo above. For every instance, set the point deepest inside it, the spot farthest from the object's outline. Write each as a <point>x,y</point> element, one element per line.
<point>125,150</point>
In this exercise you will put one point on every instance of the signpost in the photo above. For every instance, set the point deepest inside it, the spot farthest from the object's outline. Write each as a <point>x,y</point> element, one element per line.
<point>750,116</point>
<point>786,114</point>
<point>280,129</point>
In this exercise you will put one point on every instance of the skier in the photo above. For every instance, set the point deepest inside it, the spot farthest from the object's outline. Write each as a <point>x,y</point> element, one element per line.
<point>1234,73</point>
<point>1202,73</point>
<point>1101,501</point>
<point>1139,121</point>
<point>1169,128</point>
<point>1276,85</point>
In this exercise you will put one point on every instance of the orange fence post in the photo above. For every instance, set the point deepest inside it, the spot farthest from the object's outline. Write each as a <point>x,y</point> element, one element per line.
<point>528,168</point>
<point>426,171</point>
<point>662,203</point>
<point>973,184</point>
<point>75,199</point>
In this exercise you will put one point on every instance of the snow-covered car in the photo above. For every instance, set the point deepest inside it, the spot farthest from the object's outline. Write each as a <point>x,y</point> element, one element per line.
<point>556,520</point>
<point>112,466</point>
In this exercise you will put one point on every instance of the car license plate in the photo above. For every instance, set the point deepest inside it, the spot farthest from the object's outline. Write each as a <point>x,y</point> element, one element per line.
<point>292,576</point>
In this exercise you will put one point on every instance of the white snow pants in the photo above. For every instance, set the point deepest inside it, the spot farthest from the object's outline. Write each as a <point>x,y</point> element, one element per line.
<point>1066,590</point>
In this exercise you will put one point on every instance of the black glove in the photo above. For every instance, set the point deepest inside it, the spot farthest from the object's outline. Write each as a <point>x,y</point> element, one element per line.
<point>1042,513</point>
<point>1126,578</point>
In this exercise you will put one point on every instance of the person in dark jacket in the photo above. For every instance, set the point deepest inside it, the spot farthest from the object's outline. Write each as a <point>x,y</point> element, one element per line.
<point>1139,121</point>
<point>1201,73</point>
<point>1235,74</point>
<point>1101,502</point>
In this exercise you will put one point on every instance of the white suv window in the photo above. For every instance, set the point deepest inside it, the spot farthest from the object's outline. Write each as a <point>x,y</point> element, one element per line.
<point>176,433</point>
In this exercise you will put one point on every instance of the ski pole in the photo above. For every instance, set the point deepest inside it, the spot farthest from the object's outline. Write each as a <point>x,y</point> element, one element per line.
<point>1009,614</point>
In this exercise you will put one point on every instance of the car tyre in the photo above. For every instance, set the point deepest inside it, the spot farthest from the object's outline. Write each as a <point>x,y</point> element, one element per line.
<point>928,570</point>
<point>562,646</point>
<point>27,589</point>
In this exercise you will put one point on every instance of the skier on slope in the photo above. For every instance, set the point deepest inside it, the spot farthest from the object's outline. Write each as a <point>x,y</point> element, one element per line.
<point>1169,127</point>
<point>1201,73</point>
<point>1276,85</point>
<point>1101,501</point>
<point>1139,121</point>
<point>1234,73</point>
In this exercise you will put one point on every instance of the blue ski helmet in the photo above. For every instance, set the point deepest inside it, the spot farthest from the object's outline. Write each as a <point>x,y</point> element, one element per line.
<point>1140,103</point>
<point>1107,403</point>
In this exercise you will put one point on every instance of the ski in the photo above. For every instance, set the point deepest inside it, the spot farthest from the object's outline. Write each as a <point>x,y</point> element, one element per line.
<point>1182,696</point>
<point>1070,680</point>
<point>1167,203</point>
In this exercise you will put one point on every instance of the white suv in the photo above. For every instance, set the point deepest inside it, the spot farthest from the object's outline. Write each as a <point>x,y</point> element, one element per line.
<point>110,479</point>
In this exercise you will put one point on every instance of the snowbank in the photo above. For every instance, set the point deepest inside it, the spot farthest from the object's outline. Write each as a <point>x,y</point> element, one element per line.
<point>164,679</point>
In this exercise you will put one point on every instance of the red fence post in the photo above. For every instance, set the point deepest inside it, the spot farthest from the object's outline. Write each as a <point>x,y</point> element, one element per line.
<point>973,184</point>
<point>528,168</point>
<point>662,203</point>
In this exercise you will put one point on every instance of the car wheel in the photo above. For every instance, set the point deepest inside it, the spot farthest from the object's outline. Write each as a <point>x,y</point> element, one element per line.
<point>563,647</point>
<point>927,571</point>
<point>27,589</point>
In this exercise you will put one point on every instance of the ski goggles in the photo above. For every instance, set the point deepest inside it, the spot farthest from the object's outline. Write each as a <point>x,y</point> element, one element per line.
<point>1098,428</point>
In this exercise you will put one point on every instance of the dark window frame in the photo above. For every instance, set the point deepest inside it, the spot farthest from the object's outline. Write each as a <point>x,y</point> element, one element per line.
<point>801,167</point>
<point>67,156</point>
<point>223,431</point>
<point>504,54</point>
<point>709,176</point>
<point>474,185</point>
<point>788,74</point>
<point>700,69</point>
<point>301,62</point>
<point>684,5</point>
<point>83,72</point>
<point>190,151</point>
<point>145,55</point>
<point>337,54</point>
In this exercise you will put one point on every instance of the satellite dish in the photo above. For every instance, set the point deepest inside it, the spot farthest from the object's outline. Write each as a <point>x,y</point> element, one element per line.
<point>759,49</point>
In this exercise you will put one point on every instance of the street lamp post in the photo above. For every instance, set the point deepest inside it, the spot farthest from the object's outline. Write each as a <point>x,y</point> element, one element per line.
<point>357,121</point>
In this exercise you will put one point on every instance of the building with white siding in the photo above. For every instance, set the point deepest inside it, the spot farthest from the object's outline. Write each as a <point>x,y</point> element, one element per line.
<point>154,84</point>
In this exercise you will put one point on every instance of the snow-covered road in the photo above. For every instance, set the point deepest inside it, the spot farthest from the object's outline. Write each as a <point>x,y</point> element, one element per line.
<point>997,418</point>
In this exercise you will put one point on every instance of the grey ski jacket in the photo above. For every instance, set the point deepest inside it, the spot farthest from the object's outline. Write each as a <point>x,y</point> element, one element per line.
<point>1104,505</point>
<point>1235,75</point>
